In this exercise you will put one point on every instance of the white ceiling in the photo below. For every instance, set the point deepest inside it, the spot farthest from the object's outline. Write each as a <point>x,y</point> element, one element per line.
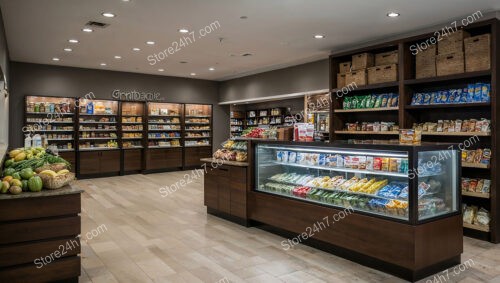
<point>277,32</point>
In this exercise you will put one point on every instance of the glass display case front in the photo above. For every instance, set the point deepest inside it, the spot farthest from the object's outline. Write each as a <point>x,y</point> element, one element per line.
<point>370,181</point>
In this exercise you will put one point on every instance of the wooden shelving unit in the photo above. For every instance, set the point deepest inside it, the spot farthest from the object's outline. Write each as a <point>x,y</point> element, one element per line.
<point>477,195</point>
<point>406,114</point>
<point>366,110</point>
<point>366,133</point>
<point>197,134</point>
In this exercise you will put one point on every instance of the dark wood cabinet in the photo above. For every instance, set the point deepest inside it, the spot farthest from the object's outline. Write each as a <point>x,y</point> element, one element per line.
<point>163,158</point>
<point>225,191</point>
<point>99,162</point>
<point>192,155</point>
<point>132,160</point>
<point>30,234</point>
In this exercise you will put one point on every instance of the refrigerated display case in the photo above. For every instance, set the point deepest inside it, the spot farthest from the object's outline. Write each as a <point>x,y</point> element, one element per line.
<point>389,206</point>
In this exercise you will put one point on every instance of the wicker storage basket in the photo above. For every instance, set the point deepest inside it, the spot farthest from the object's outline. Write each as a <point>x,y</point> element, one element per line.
<point>382,74</point>
<point>477,53</point>
<point>362,61</point>
<point>344,67</point>
<point>448,64</point>
<point>425,63</point>
<point>341,80</point>
<point>386,58</point>
<point>57,182</point>
<point>452,42</point>
<point>357,77</point>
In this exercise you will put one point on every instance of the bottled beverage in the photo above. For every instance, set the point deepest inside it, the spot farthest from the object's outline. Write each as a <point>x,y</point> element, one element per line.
<point>27,141</point>
<point>42,108</point>
<point>36,141</point>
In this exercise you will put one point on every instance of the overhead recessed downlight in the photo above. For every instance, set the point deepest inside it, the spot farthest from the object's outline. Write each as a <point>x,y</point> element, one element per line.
<point>103,64</point>
<point>247,54</point>
<point>183,62</point>
<point>118,57</point>
<point>183,30</point>
<point>211,69</point>
<point>136,49</point>
<point>243,17</point>
<point>193,74</point>
<point>150,42</point>
<point>161,70</point>
<point>108,15</point>
<point>73,41</point>
<point>68,49</point>
<point>55,59</point>
<point>319,36</point>
<point>126,0</point>
<point>87,30</point>
<point>393,14</point>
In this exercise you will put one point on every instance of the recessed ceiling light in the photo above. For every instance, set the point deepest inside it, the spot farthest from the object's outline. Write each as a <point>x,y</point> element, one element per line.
<point>118,57</point>
<point>103,64</point>
<point>193,74</point>
<point>319,36</point>
<point>183,30</point>
<point>243,17</point>
<point>73,41</point>
<point>136,49</point>
<point>211,69</point>
<point>108,15</point>
<point>246,54</point>
<point>392,14</point>
<point>68,49</point>
<point>161,70</point>
<point>183,62</point>
<point>126,0</point>
<point>150,42</point>
<point>55,59</point>
<point>87,30</point>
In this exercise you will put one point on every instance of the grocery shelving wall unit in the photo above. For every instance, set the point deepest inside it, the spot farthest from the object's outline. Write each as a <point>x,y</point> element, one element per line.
<point>237,123</point>
<point>132,133</point>
<point>197,134</point>
<point>277,114</point>
<point>62,115</point>
<point>406,114</point>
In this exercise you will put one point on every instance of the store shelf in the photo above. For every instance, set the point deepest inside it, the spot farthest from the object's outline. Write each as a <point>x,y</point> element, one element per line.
<point>90,115</point>
<point>196,137</point>
<point>201,116</point>
<point>475,165</point>
<point>138,138</point>
<point>474,194</point>
<point>133,147</point>
<point>91,122</point>
<point>97,130</point>
<point>46,113</point>
<point>189,123</point>
<point>160,123</point>
<point>98,148</point>
<point>60,139</point>
<point>131,123</point>
<point>476,227</point>
<point>90,139</point>
<point>163,146</point>
<point>132,131</point>
<point>457,77</point>
<point>54,122</point>
<point>166,138</point>
<point>65,150</point>
<point>366,87</point>
<point>169,116</point>
<point>366,133</point>
<point>366,110</point>
<point>207,130</point>
<point>197,145</point>
<point>454,105</point>
<point>164,130</point>
<point>339,169</point>
<point>481,134</point>
<point>51,131</point>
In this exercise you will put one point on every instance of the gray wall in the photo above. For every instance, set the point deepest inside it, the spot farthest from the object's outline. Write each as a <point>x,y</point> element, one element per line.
<point>47,80</point>
<point>4,102</point>
<point>305,77</point>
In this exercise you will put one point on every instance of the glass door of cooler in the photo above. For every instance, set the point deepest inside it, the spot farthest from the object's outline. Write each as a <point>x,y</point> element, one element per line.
<point>374,182</point>
<point>437,182</point>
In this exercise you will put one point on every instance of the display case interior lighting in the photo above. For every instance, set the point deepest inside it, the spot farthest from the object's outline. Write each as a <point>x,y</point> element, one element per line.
<point>400,154</point>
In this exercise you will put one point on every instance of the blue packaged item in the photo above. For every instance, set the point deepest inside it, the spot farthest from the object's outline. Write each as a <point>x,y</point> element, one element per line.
<point>477,92</point>
<point>427,98</point>
<point>452,93</point>
<point>90,107</point>
<point>414,99</point>
<point>463,96</point>
<point>420,99</point>
<point>394,100</point>
<point>444,94</point>
<point>322,159</point>
<point>434,98</point>
<point>485,93</point>
<point>471,88</point>
<point>292,156</point>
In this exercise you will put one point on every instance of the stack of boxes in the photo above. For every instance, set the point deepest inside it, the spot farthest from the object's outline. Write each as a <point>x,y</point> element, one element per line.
<point>366,68</point>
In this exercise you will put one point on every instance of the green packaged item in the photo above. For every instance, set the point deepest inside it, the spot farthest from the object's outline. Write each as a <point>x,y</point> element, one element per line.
<point>371,103</point>
<point>378,101</point>
<point>347,103</point>
<point>354,102</point>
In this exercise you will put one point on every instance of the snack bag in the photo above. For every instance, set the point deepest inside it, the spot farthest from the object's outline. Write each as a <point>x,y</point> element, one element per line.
<point>486,156</point>
<point>378,101</point>
<point>427,98</point>
<point>377,163</point>
<point>385,99</point>
<point>395,100</point>
<point>486,186</point>
<point>371,103</point>
<point>477,92</point>
<point>444,94</point>
<point>346,104</point>
<point>458,94</point>
<point>485,92</point>
<point>452,93</point>
<point>463,95</point>
<point>414,99</point>
<point>435,98</point>
<point>471,88</point>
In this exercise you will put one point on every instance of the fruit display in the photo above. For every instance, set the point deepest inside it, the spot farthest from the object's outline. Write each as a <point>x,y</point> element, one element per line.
<point>33,169</point>
<point>253,133</point>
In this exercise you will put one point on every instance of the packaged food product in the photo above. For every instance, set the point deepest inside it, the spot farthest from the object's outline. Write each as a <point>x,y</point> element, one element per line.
<point>385,164</point>
<point>384,101</point>
<point>478,156</point>
<point>394,100</point>
<point>369,163</point>
<point>458,125</point>
<point>458,93</point>
<point>406,135</point>
<point>464,95</point>
<point>279,156</point>
<point>486,156</point>
<point>292,157</point>
<point>439,127</point>
<point>300,159</point>
<point>486,186</point>
<point>284,157</point>
<point>377,163</point>
<point>426,98</point>
<point>477,92</point>
<point>362,162</point>
<point>465,184</point>
<point>331,160</point>
<point>434,98</point>
<point>472,185</point>
<point>393,164</point>
<point>469,214</point>
<point>404,166</point>
<point>485,93</point>
<point>479,186</point>
<point>482,217</point>
<point>378,102</point>
<point>322,159</point>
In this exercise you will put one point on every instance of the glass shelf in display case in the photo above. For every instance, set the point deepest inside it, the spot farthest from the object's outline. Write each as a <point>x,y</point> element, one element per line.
<point>378,181</point>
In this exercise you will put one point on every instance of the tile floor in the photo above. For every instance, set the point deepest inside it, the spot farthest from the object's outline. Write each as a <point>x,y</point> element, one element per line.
<point>130,233</point>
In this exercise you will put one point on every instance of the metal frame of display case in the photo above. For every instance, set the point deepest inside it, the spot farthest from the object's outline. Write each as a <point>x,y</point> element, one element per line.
<point>410,249</point>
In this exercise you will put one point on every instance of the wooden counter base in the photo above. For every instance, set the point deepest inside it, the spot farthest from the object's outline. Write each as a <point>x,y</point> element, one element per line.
<point>407,251</point>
